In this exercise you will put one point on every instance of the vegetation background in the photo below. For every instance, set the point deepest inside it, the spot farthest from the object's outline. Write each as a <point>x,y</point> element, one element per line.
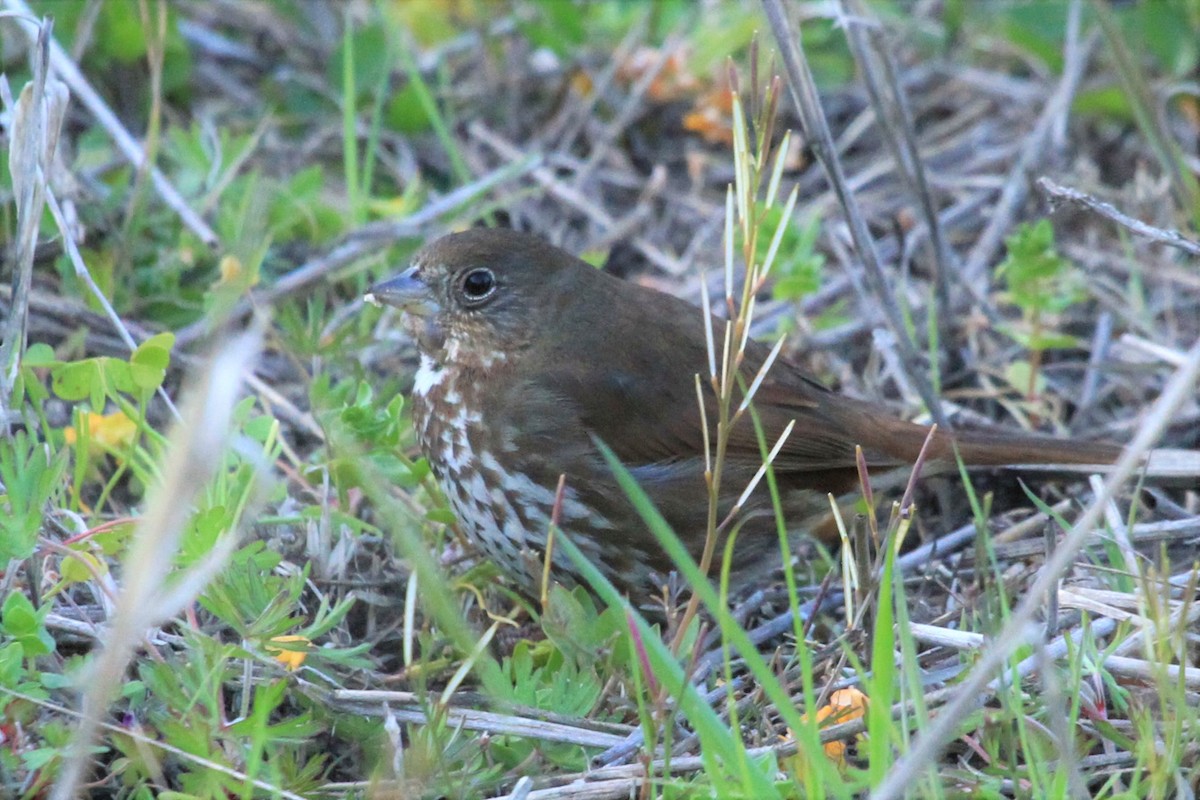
<point>225,572</point>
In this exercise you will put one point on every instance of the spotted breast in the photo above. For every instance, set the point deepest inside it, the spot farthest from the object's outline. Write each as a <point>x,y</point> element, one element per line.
<point>503,501</point>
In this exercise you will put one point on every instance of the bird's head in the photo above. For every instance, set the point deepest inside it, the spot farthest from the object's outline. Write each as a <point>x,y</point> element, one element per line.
<point>479,294</point>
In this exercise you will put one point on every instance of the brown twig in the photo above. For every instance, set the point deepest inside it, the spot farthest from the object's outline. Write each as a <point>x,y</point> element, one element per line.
<point>1057,193</point>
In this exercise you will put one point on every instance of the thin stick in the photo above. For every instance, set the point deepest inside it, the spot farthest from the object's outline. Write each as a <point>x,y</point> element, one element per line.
<point>1057,193</point>
<point>36,119</point>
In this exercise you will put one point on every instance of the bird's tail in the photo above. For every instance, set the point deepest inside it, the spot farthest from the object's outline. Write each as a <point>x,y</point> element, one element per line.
<point>904,442</point>
<point>994,448</point>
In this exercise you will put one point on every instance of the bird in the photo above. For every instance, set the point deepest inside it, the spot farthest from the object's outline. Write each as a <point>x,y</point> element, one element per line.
<point>530,360</point>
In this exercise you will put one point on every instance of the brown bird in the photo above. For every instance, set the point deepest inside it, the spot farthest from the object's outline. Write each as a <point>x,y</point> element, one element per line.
<point>528,355</point>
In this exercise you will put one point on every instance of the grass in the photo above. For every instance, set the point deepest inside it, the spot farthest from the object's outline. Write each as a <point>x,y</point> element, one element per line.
<point>226,571</point>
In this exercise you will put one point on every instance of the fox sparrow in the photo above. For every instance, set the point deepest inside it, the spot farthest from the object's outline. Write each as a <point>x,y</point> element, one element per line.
<point>528,355</point>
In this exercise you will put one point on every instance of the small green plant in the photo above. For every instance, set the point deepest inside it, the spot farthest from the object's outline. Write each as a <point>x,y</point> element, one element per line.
<point>94,384</point>
<point>30,475</point>
<point>25,625</point>
<point>368,438</point>
<point>1042,284</point>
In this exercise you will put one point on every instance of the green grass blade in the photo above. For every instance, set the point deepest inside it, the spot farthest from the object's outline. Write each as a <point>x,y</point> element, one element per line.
<point>733,633</point>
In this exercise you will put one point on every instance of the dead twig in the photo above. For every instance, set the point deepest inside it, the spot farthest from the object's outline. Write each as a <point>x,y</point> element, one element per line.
<point>36,121</point>
<point>1057,193</point>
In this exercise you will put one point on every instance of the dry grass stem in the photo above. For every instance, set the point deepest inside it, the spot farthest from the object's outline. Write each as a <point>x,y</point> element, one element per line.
<point>36,120</point>
<point>1064,194</point>
<point>197,446</point>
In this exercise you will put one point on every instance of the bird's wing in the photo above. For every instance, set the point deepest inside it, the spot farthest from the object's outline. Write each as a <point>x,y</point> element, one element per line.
<point>629,377</point>
<point>827,429</point>
<point>650,414</point>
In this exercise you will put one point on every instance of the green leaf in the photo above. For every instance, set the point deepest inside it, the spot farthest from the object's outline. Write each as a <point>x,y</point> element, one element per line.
<point>798,265</point>
<point>39,757</point>
<point>1018,374</point>
<point>56,682</point>
<point>1166,32</point>
<point>569,621</point>
<point>557,26</point>
<point>94,379</point>
<point>1049,340</point>
<point>18,616</point>
<point>407,110</point>
<point>120,31</point>
<point>80,567</point>
<point>202,533</point>
<point>260,427</point>
<point>12,664</point>
<point>370,50</point>
<point>881,684</point>
<point>20,620</point>
<point>39,354</point>
<point>1105,101</point>
<point>1038,28</point>
<point>1037,278</point>
<point>74,381</point>
<point>149,362</point>
<point>442,515</point>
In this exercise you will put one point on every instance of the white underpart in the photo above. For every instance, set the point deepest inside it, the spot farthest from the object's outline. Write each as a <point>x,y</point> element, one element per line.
<point>429,376</point>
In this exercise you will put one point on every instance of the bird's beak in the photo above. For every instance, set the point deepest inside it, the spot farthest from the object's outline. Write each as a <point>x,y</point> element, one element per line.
<point>406,292</point>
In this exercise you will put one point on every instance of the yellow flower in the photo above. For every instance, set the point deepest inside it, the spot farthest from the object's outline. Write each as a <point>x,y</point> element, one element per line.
<point>114,430</point>
<point>290,658</point>
<point>233,272</point>
<point>844,705</point>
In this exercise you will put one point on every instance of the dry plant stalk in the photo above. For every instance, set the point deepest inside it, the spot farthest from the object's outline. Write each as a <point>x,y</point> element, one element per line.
<point>758,170</point>
<point>37,118</point>
<point>197,446</point>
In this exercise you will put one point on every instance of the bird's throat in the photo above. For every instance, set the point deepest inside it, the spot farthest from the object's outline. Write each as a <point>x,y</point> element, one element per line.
<point>428,334</point>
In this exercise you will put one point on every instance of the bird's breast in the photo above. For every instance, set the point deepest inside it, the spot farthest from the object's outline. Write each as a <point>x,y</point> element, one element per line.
<point>503,498</point>
<point>442,416</point>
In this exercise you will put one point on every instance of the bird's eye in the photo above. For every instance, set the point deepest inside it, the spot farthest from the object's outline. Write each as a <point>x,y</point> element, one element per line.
<point>477,285</point>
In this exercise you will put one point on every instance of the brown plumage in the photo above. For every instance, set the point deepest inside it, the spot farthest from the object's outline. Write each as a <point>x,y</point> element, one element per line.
<point>527,353</point>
